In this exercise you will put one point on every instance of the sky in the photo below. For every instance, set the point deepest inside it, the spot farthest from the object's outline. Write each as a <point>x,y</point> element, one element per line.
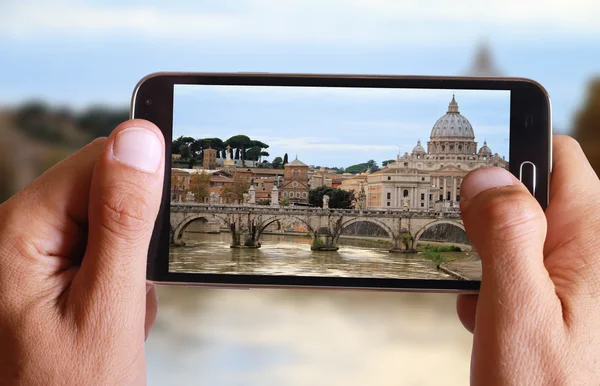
<point>78,53</point>
<point>335,127</point>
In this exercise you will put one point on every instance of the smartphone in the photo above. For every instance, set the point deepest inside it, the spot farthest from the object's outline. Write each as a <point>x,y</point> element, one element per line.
<point>332,181</point>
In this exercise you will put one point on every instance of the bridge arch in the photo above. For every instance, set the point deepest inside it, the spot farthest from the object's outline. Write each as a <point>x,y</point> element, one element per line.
<point>179,228</point>
<point>420,232</point>
<point>356,220</point>
<point>265,223</point>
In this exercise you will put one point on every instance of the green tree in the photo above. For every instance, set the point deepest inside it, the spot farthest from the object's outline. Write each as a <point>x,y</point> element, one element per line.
<point>240,143</point>
<point>338,198</point>
<point>214,143</point>
<point>184,150</point>
<point>196,148</point>
<point>387,162</point>
<point>101,121</point>
<point>264,154</point>
<point>277,163</point>
<point>372,165</point>
<point>285,159</point>
<point>253,154</point>
<point>587,125</point>
<point>358,168</point>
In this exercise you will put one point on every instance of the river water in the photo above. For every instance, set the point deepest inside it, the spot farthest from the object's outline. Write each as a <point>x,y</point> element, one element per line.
<point>293,337</point>
<point>291,255</point>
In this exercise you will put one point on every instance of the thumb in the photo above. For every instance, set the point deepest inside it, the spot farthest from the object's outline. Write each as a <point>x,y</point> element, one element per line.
<point>507,227</point>
<point>125,196</point>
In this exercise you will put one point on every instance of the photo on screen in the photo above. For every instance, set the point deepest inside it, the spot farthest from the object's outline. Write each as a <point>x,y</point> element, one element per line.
<point>329,182</point>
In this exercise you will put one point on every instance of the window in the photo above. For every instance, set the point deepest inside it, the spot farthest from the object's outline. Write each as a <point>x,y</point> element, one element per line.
<point>284,194</point>
<point>406,164</point>
<point>431,197</point>
<point>389,178</point>
<point>298,194</point>
<point>457,197</point>
<point>422,178</point>
<point>422,205</point>
<point>388,204</point>
<point>389,196</point>
<point>441,197</point>
<point>422,196</point>
<point>405,194</point>
<point>448,198</point>
<point>295,174</point>
<point>304,195</point>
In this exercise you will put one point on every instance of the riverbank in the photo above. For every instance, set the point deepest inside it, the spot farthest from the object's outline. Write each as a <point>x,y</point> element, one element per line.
<point>464,269</point>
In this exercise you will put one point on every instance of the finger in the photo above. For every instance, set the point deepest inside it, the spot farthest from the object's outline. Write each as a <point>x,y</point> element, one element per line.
<point>125,196</point>
<point>572,244</point>
<point>466,307</point>
<point>507,227</point>
<point>45,224</point>
<point>151,308</point>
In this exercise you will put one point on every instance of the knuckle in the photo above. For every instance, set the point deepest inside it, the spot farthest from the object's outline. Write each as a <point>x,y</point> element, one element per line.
<point>511,214</point>
<point>567,143</point>
<point>125,212</point>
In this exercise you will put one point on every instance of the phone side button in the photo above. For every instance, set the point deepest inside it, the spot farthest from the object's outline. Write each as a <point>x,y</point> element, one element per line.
<point>528,175</point>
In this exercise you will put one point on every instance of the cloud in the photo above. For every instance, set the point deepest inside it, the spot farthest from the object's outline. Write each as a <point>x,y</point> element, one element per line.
<point>309,21</point>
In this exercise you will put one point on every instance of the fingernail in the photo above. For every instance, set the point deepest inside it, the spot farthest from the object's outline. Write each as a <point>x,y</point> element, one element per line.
<point>138,148</point>
<point>149,286</point>
<point>483,179</point>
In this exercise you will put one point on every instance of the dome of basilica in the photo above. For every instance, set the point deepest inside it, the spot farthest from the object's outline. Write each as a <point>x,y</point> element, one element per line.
<point>485,150</point>
<point>418,148</point>
<point>452,124</point>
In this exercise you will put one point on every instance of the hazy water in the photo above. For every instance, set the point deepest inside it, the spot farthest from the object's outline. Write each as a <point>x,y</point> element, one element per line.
<point>306,337</point>
<point>291,255</point>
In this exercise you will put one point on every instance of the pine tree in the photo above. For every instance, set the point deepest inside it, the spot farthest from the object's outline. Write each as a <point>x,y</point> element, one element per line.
<point>285,159</point>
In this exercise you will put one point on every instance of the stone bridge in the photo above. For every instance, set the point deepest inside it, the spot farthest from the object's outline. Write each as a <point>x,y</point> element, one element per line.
<point>246,223</point>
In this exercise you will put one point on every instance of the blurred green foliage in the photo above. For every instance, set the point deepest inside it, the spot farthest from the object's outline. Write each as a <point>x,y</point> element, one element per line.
<point>587,125</point>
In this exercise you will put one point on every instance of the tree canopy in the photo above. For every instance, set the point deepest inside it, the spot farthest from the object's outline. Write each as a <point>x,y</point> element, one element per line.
<point>338,198</point>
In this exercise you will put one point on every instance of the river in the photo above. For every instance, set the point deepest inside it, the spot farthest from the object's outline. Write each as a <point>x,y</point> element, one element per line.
<point>291,255</point>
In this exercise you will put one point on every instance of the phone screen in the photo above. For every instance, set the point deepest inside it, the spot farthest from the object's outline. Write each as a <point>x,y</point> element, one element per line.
<point>329,182</point>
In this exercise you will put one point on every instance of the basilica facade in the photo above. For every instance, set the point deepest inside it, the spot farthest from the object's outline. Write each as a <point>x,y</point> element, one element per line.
<point>429,178</point>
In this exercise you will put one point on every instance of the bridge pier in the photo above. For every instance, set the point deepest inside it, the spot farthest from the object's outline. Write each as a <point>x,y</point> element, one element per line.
<point>324,241</point>
<point>404,243</point>
<point>244,237</point>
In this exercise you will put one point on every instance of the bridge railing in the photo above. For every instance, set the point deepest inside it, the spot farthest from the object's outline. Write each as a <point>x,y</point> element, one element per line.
<point>259,209</point>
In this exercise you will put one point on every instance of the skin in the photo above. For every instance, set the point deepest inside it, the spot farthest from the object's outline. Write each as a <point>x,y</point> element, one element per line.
<point>75,307</point>
<point>536,318</point>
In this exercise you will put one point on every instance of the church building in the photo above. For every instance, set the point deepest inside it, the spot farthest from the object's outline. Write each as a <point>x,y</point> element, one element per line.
<point>430,179</point>
<point>295,181</point>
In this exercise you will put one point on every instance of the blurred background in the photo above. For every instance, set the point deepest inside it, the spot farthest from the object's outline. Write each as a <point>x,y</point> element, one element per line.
<point>67,71</point>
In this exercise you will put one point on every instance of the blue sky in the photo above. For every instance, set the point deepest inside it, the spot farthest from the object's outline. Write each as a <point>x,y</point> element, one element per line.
<point>335,126</point>
<point>82,52</point>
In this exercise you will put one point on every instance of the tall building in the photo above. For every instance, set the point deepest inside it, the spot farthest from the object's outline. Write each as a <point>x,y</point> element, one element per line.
<point>210,159</point>
<point>295,181</point>
<point>430,179</point>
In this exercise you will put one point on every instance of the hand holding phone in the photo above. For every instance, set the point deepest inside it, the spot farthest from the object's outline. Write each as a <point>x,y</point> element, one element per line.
<point>363,186</point>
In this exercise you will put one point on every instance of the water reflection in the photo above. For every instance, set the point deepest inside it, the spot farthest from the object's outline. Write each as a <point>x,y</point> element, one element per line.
<point>291,255</point>
<point>306,337</point>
